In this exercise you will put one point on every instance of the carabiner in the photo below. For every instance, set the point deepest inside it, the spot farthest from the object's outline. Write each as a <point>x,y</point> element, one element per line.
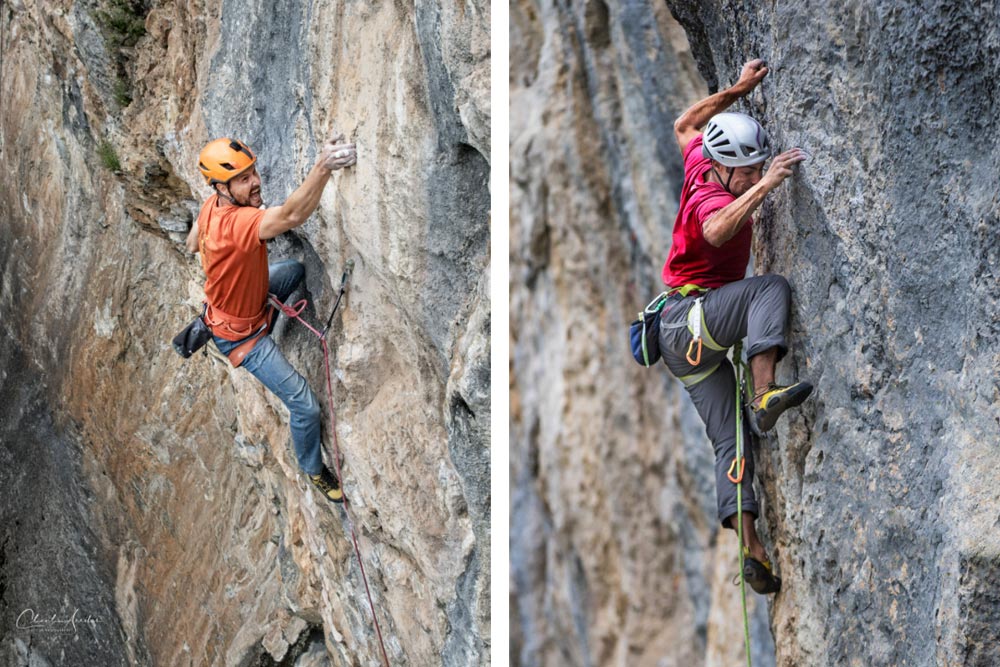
<point>732,466</point>
<point>697,359</point>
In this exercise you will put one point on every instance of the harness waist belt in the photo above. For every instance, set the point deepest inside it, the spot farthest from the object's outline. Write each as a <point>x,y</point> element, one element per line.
<point>231,327</point>
<point>239,353</point>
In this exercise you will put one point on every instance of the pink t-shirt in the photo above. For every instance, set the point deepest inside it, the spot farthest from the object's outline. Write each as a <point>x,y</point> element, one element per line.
<point>692,259</point>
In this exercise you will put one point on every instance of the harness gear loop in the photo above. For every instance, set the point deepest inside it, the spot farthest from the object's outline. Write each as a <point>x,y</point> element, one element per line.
<point>694,324</point>
<point>738,366</point>
<point>294,312</point>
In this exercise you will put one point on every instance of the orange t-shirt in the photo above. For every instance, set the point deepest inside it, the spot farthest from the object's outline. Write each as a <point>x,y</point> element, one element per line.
<point>235,263</point>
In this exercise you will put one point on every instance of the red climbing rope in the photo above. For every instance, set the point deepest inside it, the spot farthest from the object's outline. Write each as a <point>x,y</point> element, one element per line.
<point>294,312</point>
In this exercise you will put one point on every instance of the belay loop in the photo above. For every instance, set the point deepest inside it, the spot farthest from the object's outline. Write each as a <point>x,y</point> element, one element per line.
<point>295,312</point>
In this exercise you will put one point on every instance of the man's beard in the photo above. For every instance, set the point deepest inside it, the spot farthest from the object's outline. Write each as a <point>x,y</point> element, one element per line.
<point>255,194</point>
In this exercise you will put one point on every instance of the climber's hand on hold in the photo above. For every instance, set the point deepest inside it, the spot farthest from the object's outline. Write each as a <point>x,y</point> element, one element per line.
<point>337,153</point>
<point>752,74</point>
<point>781,168</point>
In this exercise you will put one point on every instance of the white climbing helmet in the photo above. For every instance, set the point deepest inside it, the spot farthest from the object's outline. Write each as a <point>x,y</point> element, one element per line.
<point>735,140</point>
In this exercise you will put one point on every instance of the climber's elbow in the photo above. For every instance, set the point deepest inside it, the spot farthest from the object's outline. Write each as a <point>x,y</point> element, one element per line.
<point>710,232</point>
<point>685,132</point>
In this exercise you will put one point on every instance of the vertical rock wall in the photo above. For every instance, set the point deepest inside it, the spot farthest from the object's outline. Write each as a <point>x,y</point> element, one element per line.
<point>214,548</point>
<point>883,512</point>
<point>880,507</point>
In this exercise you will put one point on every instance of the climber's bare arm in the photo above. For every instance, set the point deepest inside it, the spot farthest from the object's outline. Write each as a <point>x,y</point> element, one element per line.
<point>689,125</point>
<point>725,223</point>
<point>336,154</point>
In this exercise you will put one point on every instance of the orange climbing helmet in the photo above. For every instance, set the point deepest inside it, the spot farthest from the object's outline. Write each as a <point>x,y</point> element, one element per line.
<point>222,159</point>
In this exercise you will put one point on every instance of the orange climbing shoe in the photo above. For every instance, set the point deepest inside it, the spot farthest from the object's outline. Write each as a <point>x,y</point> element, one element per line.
<point>328,485</point>
<point>773,401</point>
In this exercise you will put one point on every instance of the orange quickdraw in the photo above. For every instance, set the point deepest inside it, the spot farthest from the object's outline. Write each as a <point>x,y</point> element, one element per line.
<point>697,359</point>
<point>732,466</point>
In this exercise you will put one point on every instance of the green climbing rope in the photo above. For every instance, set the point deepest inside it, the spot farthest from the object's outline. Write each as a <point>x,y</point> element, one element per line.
<point>740,369</point>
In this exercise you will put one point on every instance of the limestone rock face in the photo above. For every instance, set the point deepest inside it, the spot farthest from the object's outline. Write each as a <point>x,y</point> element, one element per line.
<point>205,543</point>
<point>879,505</point>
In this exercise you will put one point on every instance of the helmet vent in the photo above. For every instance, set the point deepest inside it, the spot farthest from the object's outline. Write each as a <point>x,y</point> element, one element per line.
<point>227,165</point>
<point>240,148</point>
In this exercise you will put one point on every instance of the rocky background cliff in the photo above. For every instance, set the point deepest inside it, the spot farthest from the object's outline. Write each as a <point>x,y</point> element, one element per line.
<point>159,498</point>
<point>881,511</point>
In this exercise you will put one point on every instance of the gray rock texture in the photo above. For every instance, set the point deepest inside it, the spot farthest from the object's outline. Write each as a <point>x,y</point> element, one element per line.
<point>880,507</point>
<point>56,582</point>
<point>200,542</point>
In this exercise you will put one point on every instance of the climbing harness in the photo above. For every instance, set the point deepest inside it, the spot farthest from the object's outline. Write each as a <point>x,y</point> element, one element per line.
<point>738,465</point>
<point>295,312</point>
<point>644,332</point>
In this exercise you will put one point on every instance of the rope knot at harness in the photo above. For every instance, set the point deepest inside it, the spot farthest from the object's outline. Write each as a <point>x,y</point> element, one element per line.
<point>293,311</point>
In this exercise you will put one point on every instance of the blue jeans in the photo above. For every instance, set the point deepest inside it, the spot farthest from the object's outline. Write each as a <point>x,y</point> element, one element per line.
<point>266,363</point>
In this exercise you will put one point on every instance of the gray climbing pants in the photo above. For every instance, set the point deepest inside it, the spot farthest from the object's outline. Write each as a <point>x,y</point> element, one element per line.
<point>755,308</point>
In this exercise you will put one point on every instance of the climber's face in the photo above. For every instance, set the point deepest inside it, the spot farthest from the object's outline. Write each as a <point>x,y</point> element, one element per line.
<point>743,178</point>
<point>245,188</point>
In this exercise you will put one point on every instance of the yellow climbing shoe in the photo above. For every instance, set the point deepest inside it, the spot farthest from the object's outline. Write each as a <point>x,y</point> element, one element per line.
<point>772,401</point>
<point>758,574</point>
<point>328,485</point>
